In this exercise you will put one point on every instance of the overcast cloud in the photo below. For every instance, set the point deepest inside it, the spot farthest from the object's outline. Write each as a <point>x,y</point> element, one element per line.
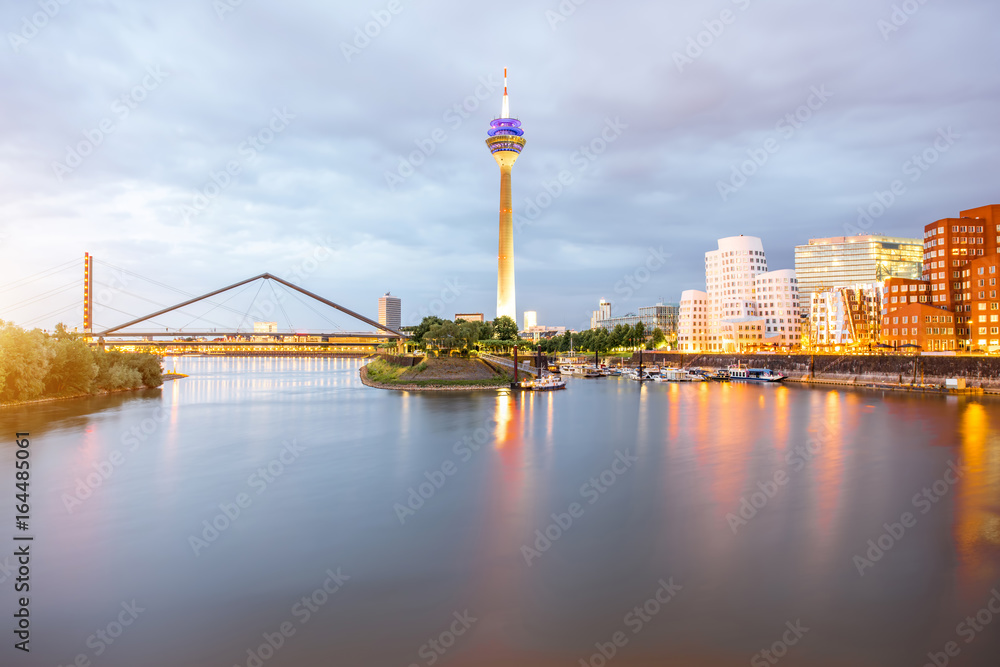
<point>183,86</point>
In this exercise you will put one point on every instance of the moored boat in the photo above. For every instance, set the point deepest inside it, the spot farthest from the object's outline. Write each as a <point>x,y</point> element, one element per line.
<point>672,375</point>
<point>547,383</point>
<point>740,373</point>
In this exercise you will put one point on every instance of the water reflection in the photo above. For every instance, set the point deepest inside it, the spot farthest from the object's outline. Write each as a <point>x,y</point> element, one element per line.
<point>702,449</point>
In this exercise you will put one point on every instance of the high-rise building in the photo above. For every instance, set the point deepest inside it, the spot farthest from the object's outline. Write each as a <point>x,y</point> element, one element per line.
<point>842,261</point>
<point>729,277</point>
<point>390,311</point>
<point>602,313</point>
<point>742,312</point>
<point>776,294</point>
<point>469,317</point>
<point>955,249</point>
<point>530,319</point>
<point>506,140</point>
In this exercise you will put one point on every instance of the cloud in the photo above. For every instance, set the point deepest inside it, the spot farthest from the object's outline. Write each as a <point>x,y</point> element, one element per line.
<point>324,175</point>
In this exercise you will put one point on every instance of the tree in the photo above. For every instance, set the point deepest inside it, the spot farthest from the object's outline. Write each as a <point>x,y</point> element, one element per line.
<point>639,334</point>
<point>443,335</point>
<point>485,330</point>
<point>149,367</point>
<point>505,328</point>
<point>659,338</point>
<point>424,326</point>
<point>25,357</point>
<point>468,334</point>
<point>73,369</point>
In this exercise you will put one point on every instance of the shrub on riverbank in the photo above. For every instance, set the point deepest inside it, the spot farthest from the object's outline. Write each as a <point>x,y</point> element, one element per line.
<point>34,365</point>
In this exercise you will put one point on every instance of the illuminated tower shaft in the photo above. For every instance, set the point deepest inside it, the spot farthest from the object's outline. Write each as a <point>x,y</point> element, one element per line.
<point>506,139</point>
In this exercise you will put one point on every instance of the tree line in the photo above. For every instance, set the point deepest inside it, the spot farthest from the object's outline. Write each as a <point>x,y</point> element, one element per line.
<point>36,365</point>
<point>436,333</point>
<point>622,337</point>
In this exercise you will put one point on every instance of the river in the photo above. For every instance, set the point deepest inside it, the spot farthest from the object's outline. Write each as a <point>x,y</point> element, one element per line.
<point>278,512</point>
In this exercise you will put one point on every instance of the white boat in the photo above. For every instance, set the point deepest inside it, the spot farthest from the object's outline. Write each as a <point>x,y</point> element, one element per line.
<point>740,373</point>
<point>644,377</point>
<point>547,383</point>
<point>672,375</point>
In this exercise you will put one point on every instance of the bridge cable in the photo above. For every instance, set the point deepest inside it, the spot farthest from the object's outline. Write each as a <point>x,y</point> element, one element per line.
<point>307,305</point>
<point>252,302</point>
<point>37,276</point>
<point>291,327</point>
<point>132,315</point>
<point>47,315</point>
<point>231,296</point>
<point>42,296</point>
<point>158,283</point>
<point>163,305</point>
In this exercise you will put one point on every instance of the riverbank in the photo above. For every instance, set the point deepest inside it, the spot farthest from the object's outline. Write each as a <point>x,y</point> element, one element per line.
<point>896,372</point>
<point>444,374</point>
<point>93,394</point>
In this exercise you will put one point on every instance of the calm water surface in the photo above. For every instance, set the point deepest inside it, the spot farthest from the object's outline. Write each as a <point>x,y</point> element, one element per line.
<point>430,508</point>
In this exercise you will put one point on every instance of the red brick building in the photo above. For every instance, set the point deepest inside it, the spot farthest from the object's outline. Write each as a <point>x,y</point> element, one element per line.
<point>983,305</point>
<point>933,329</point>
<point>901,291</point>
<point>951,245</point>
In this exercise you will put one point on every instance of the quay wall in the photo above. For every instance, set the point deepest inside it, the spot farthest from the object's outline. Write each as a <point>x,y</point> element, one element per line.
<point>977,371</point>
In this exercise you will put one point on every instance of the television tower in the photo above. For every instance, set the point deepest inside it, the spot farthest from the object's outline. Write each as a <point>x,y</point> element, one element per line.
<point>506,139</point>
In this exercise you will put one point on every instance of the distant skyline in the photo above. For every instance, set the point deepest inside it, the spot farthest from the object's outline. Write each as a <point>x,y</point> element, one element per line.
<point>201,143</point>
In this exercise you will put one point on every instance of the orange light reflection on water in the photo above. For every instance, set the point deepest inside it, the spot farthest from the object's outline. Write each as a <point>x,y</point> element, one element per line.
<point>977,524</point>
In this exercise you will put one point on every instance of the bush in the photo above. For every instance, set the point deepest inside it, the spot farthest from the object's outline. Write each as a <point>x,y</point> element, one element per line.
<point>122,377</point>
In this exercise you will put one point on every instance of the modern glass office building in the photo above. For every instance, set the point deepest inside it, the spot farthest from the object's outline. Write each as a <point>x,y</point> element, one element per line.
<point>843,261</point>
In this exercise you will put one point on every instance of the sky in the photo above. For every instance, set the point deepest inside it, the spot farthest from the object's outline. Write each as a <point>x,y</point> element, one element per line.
<point>342,146</point>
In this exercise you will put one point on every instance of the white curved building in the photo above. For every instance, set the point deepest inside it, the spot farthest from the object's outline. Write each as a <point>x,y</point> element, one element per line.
<point>778,300</point>
<point>730,273</point>
<point>693,331</point>
<point>738,315</point>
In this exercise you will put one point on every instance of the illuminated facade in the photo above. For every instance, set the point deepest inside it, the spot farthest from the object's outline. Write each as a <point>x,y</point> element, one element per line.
<point>846,316</point>
<point>776,294</point>
<point>506,139</point>
<point>693,321</point>
<point>842,261</point>
<point>955,249</point>
<point>745,305</point>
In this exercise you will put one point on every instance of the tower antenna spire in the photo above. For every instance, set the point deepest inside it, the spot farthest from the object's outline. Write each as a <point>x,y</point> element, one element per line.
<point>505,111</point>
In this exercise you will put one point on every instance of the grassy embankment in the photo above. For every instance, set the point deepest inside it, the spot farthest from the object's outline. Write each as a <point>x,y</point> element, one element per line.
<point>442,372</point>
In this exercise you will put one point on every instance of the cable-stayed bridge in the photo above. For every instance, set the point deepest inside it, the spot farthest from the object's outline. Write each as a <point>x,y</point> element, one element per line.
<point>223,321</point>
